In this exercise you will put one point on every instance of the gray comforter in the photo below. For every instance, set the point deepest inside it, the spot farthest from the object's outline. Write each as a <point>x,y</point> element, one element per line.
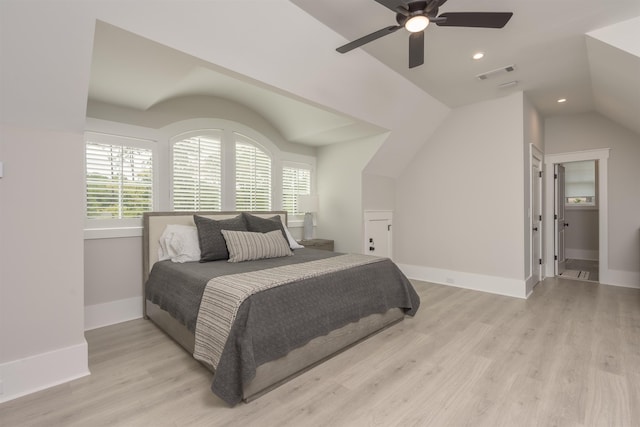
<point>271,323</point>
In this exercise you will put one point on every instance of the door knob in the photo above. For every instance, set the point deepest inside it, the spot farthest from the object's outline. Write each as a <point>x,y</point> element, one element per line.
<point>535,228</point>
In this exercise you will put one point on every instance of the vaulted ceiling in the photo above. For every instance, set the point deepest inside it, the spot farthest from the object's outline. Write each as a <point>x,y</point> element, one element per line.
<point>586,51</point>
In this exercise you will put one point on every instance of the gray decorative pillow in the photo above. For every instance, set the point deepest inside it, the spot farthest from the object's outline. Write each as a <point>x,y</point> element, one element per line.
<point>212,244</point>
<point>247,246</point>
<point>264,225</point>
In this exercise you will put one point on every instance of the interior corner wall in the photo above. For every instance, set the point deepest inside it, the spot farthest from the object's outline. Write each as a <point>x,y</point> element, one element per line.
<point>459,210</point>
<point>339,177</point>
<point>44,83</point>
<point>590,131</point>
<point>41,286</point>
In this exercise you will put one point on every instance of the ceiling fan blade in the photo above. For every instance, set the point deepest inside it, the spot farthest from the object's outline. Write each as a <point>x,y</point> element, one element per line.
<point>416,49</point>
<point>368,38</point>
<point>474,19</point>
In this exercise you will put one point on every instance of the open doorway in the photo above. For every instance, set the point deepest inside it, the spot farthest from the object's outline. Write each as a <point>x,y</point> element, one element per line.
<point>578,241</point>
<point>577,228</point>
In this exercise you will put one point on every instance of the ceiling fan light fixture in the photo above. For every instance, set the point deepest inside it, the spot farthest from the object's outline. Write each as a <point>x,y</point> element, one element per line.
<point>416,23</point>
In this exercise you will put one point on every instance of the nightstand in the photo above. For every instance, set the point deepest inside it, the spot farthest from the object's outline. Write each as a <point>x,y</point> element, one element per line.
<point>322,244</point>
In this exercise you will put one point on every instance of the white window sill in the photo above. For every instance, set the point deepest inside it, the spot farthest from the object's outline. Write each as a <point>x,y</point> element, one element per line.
<point>293,223</point>
<point>112,233</point>
<point>120,232</point>
<point>581,207</point>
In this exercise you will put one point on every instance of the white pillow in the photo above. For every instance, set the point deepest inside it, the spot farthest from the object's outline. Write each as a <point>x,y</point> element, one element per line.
<point>179,243</point>
<point>247,245</point>
<point>293,243</point>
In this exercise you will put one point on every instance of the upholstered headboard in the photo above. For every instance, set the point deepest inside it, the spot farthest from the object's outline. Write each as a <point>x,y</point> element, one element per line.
<point>155,223</point>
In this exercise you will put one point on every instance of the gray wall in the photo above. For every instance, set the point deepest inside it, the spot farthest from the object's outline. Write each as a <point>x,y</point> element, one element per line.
<point>378,192</point>
<point>103,282</point>
<point>460,202</point>
<point>581,237</point>
<point>571,133</point>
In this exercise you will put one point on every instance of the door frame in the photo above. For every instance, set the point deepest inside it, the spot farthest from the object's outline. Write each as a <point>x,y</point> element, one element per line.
<point>559,213</point>
<point>602,156</point>
<point>536,158</point>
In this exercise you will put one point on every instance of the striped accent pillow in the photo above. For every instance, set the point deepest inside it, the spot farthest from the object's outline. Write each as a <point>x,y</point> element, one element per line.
<point>247,246</point>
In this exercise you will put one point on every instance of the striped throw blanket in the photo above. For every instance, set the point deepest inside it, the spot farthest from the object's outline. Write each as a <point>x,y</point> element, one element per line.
<point>223,296</point>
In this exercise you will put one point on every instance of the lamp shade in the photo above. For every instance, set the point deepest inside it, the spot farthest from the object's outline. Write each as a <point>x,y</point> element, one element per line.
<point>308,203</point>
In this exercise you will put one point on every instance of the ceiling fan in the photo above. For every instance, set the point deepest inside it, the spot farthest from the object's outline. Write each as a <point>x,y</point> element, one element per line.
<point>416,15</point>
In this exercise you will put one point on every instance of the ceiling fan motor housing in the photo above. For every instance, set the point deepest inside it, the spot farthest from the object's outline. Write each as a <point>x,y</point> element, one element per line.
<point>415,8</point>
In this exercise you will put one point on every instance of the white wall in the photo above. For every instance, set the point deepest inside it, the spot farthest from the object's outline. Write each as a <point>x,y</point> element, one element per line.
<point>41,292</point>
<point>42,107</point>
<point>339,175</point>
<point>193,107</point>
<point>459,211</point>
<point>44,85</point>
<point>378,192</point>
<point>565,134</point>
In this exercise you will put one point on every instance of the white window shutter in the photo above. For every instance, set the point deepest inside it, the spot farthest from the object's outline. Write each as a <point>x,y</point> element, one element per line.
<point>295,182</point>
<point>197,173</point>
<point>253,177</point>
<point>119,181</point>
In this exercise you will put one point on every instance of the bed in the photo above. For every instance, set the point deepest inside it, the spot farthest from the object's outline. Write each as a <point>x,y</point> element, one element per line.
<point>311,305</point>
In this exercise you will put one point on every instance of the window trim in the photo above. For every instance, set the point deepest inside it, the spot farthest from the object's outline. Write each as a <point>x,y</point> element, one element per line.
<point>223,153</point>
<point>162,163</point>
<point>240,138</point>
<point>297,220</point>
<point>118,227</point>
<point>591,205</point>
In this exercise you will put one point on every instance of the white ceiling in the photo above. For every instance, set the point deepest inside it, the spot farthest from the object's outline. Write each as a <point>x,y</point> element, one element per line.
<point>546,40</point>
<point>131,71</point>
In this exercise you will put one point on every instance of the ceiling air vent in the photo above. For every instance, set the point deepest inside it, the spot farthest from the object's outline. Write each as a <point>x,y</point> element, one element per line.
<point>496,72</point>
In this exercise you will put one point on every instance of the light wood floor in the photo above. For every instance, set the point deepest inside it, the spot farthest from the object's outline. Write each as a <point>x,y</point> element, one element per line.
<point>567,356</point>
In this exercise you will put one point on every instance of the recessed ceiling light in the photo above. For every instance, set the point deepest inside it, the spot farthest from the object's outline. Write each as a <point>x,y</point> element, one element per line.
<point>561,100</point>
<point>478,55</point>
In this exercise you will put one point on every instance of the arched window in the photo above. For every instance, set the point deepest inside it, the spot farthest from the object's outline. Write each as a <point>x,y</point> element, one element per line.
<point>204,164</point>
<point>253,175</point>
<point>197,171</point>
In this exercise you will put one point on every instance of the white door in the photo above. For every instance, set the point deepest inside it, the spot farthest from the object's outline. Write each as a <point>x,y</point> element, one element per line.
<point>377,233</point>
<point>559,220</point>
<point>536,220</point>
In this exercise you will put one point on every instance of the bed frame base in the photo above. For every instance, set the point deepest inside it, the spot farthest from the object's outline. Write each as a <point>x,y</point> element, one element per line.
<point>277,372</point>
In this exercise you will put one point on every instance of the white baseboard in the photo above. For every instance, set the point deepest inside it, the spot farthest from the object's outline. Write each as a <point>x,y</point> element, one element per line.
<point>25,376</point>
<point>585,254</point>
<point>530,284</point>
<point>110,313</point>
<point>626,279</point>
<point>477,282</point>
